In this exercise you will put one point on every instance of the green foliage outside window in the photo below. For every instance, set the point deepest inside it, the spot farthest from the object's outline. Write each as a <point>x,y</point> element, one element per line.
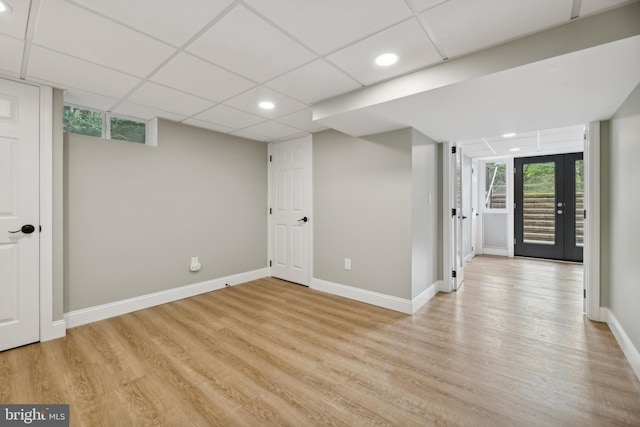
<point>84,122</point>
<point>127,130</point>
<point>87,122</point>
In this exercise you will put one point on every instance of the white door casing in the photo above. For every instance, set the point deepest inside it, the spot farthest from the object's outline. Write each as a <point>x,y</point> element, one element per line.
<point>459,218</point>
<point>290,207</point>
<point>19,206</point>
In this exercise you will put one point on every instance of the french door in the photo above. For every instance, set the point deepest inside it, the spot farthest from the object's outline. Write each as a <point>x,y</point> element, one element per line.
<point>549,211</point>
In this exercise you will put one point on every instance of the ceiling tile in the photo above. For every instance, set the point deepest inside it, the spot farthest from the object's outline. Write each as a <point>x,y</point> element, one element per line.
<point>156,96</point>
<point>422,5</point>
<point>207,125</point>
<point>147,113</point>
<point>11,54</point>
<point>172,22</point>
<point>226,116</point>
<point>331,24</point>
<point>408,40</point>
<point>87,99</point>
<point>77,32</point>
<point>249,101</point>
<point>197,77</point>
<point>246,44</point>
<point>251,135</point>
<point>590,7</point>
<point>67,72</point>
<point>464,26</point>
<point>327,82</point>
<point>273,130</point>
<point>302,120</point>
<point>14,24</point>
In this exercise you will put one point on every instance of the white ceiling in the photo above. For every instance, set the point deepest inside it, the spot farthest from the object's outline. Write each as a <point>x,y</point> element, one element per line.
<point>537,143</point>
<point>209,62</point>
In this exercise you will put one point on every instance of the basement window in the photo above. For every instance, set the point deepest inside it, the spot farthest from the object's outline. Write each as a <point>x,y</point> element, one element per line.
<point>101,124</point>
<point>495,195</point>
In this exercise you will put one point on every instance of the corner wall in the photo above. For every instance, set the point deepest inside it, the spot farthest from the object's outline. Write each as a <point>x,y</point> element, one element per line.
<point>135,214</point>
<point>362,209</point>
<point>426,186</point>
<point>624,268</point>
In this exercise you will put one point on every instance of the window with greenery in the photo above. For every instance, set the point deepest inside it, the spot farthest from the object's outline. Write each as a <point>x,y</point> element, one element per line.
<point>128,130</point>
<point>495,185</point>
<point>95,123</point>
<point>84,122</point>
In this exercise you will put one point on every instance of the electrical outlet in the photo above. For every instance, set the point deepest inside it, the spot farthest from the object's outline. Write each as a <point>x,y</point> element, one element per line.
<point>347,263</point>
<point>195,265</point>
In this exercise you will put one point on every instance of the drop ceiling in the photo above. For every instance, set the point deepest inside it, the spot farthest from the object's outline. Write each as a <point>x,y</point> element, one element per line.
<point>209,62</point>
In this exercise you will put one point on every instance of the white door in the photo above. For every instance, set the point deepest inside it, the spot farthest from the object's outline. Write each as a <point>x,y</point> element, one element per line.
<point>459,218</point>
<point>291,210</point>
<point>19,214</point>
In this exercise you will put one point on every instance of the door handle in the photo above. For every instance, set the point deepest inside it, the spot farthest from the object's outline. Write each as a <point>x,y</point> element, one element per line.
<point>305,219</point>
<point>26,229</point>
<point>560,212</point>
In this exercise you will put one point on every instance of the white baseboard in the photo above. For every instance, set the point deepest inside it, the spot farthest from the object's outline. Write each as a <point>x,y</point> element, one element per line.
<point>391,302</point>
<point>402,305</point>
<point>495,251</point>
<point>629,350</point>
<point>58,329</point>
<point>105,311</point>
<point>603,315</point>
<point>444,286</point>
<point>424,297</point>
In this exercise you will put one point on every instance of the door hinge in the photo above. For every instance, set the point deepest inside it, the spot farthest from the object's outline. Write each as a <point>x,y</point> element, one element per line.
<point>454,149</point>
<point>40,228</point>
<point>270,211</point>
<point>514,206</point>
<point>270,159</point>
<point>454,274</point>
<point>585,214</point>
<point>453,212</point>
<point>514,170</point>
<point>584,293</point>
<point>270,264</point>
<point>514,241</point>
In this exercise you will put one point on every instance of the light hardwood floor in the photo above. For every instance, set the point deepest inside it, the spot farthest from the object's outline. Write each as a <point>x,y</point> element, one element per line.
<point>511,348</point>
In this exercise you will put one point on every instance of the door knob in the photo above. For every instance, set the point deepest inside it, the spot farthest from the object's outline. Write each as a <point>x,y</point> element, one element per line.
<point>559,211</point>
<point>26,229</point>
<point>305,219</point>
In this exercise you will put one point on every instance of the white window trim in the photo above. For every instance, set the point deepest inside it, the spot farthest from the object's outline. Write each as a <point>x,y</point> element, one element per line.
<point>151,126</point>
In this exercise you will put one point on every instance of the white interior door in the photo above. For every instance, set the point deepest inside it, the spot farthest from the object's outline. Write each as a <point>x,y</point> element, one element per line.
<point>19,214</point>
<point>291,210</point>
<point>459,219</point>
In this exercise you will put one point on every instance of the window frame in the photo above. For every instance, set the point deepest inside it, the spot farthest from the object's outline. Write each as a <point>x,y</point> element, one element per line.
<point>150,130</point>
<point>485,163</point>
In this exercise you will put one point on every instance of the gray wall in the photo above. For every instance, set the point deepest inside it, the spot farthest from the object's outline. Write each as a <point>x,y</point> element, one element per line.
<point>135,214</point>
<point>362,208</point>
<point>426,186</point>
<point>624,273</point>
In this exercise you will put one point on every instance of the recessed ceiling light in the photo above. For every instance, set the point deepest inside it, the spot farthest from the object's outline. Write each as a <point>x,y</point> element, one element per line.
<point>267,105</point>
<point>4,7</point>
<point>386,59</point>
<point>509,135</point>
<point>514,149</point>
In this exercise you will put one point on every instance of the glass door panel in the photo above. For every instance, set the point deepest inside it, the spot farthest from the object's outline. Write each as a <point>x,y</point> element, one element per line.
<point>539,202</point>
<point>579,168</point>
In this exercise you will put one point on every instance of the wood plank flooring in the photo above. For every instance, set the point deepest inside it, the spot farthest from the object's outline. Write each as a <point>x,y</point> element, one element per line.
<point>510,348</point>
